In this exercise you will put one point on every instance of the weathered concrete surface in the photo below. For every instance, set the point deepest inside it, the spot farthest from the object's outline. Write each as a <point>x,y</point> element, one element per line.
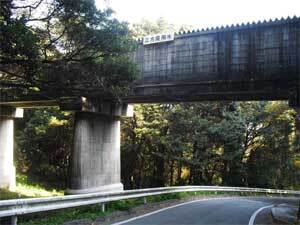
<point>96,105</point>
<point>248,62</point>
<point>7,168</point>
<point>95,158</point>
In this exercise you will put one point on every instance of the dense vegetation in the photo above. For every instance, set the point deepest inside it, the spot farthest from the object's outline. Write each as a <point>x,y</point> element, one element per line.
<point>59,48</point>
<point>246,144</point>
<point>252,144</point>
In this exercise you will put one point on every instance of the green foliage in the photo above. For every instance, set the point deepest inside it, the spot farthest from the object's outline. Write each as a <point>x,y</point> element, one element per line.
<point>60,217</point>
<point>27,189</point>
<point>6,194</point>
<point>146,27</point>
<point>63,48</point>
<point>43,147</point>
<point>250,144</point>
<point>142,146</point>
<point>244,144</point>
<point>272,156</point>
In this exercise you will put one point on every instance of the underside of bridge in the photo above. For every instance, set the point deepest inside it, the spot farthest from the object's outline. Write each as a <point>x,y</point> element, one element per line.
<point>248,62</point>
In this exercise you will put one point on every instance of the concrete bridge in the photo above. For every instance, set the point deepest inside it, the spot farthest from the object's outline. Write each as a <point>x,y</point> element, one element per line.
<point>244,62</point>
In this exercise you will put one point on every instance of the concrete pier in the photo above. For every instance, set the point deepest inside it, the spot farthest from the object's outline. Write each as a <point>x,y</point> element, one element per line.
<point>95,160</point>
<point>7,168</point>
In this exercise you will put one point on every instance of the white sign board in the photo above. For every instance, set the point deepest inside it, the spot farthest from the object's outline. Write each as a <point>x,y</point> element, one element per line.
<point>158,38</point>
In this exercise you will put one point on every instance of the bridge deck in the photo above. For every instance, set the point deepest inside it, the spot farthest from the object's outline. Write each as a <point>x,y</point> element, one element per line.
<point>248,62</point>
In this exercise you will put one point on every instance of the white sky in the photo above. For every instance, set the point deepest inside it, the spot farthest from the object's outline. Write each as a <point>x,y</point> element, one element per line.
<point>203,13</point>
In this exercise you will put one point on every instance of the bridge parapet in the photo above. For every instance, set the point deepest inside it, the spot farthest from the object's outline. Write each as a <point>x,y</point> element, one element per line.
<point>249,62</point>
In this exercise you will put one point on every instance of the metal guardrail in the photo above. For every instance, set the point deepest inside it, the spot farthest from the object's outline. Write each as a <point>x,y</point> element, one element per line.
<point>18,207</point>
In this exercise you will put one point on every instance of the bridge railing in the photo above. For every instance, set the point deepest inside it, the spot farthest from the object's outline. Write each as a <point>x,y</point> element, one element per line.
<point>17,207</point>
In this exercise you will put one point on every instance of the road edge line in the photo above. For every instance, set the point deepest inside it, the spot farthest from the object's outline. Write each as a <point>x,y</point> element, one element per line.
<point>163,209</point>
<point>254,215</point>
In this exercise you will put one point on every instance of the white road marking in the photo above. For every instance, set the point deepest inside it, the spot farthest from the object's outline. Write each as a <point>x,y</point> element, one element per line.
<point>252,219</point>
<point>170,207</point>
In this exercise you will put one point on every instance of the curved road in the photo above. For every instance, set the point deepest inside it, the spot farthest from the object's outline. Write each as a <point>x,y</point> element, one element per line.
<point>222,211</point>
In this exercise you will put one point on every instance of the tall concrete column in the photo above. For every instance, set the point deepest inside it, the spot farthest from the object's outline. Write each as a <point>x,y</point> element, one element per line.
<point>95,158</point>
<point>95,162</point>
<point>7,168</point>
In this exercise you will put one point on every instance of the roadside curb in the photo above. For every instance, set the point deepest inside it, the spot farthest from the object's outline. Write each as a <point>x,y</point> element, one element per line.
<point>285,214</point>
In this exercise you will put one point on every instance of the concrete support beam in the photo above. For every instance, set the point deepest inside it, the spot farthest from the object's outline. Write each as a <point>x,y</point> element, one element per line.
<point>7,169</point>
<point>93,105</point>
<point>95,160</point>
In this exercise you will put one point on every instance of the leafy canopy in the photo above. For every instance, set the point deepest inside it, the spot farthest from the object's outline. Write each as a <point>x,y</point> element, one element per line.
<point>63,48</point>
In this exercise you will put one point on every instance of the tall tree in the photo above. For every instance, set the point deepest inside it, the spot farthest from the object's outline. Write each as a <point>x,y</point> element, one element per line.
<point>63,48</point>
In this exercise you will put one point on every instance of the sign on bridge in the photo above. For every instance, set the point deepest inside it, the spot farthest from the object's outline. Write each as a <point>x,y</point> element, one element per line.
<point>157,38</point>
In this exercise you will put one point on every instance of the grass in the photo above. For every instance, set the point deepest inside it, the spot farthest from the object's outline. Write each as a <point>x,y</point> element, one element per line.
<point>25,189</point>
<point>86,212</point>
<point>94,211</point>
<point>5,194</point>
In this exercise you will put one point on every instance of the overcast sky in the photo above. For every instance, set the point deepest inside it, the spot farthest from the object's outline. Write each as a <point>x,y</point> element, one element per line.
<point>203,13</point>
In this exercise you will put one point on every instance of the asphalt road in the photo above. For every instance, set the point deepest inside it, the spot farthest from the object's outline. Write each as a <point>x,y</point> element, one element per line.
<point>226,211</point>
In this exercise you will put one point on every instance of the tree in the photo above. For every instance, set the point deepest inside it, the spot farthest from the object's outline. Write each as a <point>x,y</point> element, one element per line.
<point>143,147</point>
<point>63,48</point>
<point>147,27</point>
<point>271,161</point>
<point>44,146</point>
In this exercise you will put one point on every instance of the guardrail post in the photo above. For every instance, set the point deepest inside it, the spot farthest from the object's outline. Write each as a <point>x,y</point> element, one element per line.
<point>103,207</point>
<point>14,220</point>
<point>145,200</point>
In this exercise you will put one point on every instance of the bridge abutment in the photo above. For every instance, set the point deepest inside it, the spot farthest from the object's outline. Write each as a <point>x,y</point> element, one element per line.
<point>95,158</point>
<point>7,168</point>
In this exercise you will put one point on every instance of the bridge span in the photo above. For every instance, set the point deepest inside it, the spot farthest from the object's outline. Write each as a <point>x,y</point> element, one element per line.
<point>259,61</point>
<point>245,62</point>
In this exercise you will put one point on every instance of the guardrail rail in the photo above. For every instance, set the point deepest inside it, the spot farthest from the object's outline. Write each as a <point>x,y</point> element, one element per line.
<point>17,207</point>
